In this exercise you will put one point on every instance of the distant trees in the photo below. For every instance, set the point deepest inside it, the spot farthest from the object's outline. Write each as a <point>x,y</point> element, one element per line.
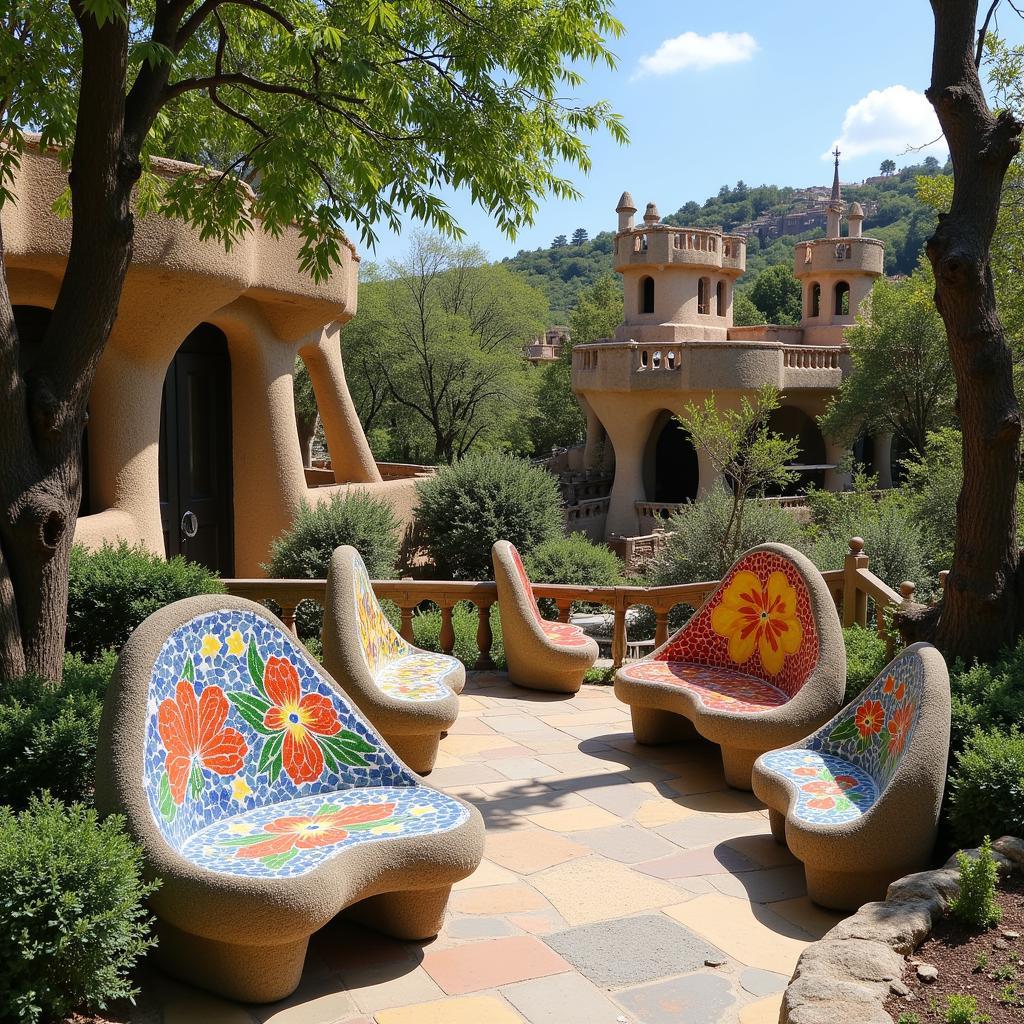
<point>744,312</point>
<point>887,167</point>
<point>776,293</point>
<point>579,236</point>
<point>559,242</point>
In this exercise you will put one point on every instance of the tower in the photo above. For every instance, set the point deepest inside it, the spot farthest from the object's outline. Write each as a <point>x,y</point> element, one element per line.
<point>835,204</point>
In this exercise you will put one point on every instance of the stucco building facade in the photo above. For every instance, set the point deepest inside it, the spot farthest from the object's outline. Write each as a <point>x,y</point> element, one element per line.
<point>678,344</point>
<point>191,444</point>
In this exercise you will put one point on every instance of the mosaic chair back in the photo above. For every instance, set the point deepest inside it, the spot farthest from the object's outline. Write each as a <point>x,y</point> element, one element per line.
<point>759,664</point>
<point>264,800</point>
<point>409,694</point>
<point>541,655</point>
<point>858,800</point>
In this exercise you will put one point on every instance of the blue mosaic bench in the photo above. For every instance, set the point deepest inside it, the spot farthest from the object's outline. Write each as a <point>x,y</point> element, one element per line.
<point>264,800</point>
<point>858,800</point>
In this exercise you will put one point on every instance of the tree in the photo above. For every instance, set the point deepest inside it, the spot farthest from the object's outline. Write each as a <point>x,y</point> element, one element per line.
<point>579,236</point>
<point>981,607</point>
<point>560,242</point>
<point>740,447</point>
<point>902,382</point>
<point>776,293</point>
<point>447,332</point>
<point>744,312</point>
<point>888,167</point>
<point>349,112</point>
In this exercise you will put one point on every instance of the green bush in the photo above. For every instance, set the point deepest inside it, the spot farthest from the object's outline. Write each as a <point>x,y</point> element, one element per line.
<point>987,696</point>
<point>110,591</point>
<point>48,734</point>
<point>303,551</point>
<point>576,560</point>
<point>866,656</point>
<point>482,498</point>
<point>71,903</point>
<point>987,786</point>
<point>975,905</point>
<point>426,629</point>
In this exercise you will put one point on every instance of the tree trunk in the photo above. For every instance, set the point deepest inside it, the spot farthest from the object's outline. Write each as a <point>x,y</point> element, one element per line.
<point>981,608</point>
<point>46,385</point>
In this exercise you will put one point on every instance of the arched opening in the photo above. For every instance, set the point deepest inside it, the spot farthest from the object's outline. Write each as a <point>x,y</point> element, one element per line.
<point>810,463</point>
<point>672,473</point>
<point>196,488</point>
<point>842,307</point>
<point>814,302</point>
<point>646,294</point>
<point>703,288</point>
<point>720,299</point>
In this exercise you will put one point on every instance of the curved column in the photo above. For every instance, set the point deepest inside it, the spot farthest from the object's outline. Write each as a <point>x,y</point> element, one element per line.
<point>883,459</point>
<point>351,457</point>
<point>629,436</point>
<point>708,476</point>
<point>593,450</point>
<point>837,453</point>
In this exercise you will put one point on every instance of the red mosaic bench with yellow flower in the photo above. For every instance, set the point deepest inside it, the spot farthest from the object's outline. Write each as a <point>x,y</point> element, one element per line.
<point>411,695</point>
<point>264,801</point>
<point>541,655</point>
<point>858,800</point>
<point>759,664</point>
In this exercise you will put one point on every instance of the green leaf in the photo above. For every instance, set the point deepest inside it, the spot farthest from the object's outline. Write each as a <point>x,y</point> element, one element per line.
<point>253,710</point>
<point>278,860</point>
<point>164,800</point>
<point>271,749</point>
<point>189,671</point>
<point>243,840</point>
<point>353,741</point>
<point>845,730</point>
<point>344,752</point>
<point>256,666</point>
<point>196,782</point>
<point>275,768</point>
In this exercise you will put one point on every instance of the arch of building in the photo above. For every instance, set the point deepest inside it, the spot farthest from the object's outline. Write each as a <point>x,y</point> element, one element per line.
<point>671,464</point>
<point>793,422</point>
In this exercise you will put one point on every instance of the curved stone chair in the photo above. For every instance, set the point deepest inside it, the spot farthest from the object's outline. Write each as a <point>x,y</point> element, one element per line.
<point>541,655</point>
<point>760,664</point>
<point>264,802</point>
<point>858,800</point>
<point>409,694</point>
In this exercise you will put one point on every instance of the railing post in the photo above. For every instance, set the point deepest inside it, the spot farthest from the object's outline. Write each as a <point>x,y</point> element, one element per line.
<point>619,632</point>
<point>855,601</point>
<point>564,608</point>
<point>288,616</point>
<point>447,637</point>
<point>405,630</point>
<point>660,626</point>
<point>484,636</point>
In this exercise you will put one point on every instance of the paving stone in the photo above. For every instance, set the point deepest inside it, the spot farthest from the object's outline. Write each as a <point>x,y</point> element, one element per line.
<point>467,725</point>
<point>539,922</point>
<point>490,964</point>
<point>632,950</point>
<point>661,811</point>
<point>699,778</point>
<point>721,802</point>
<point>315,1001</point>
<point>511,723</point>
<point>575,763</point>
<point>561,999</point>
<point>471,1010</point>
<point>461,746</point>
<point>763,983</point>
<point>623,796</point>
<point>574,819</point>
<point>626,843</point>
<point>497,899</point>
<point>182,1004</point>
<point>478,927</point>
<point>762,850</point>
<point>765,885</point>
<point>492,754</point>
<point>708,860</point>
<point>381,988</point>
<point>487,874</point>
<point>749,932</point>
<point>697,999</point>
<point>587,732</point>
<point>519,767</point>
<point>807,916</point>
<point>706,829</point>
<point>528,850</point>
<point>464,775</point>
<point>764,1011</point>
<point>593,889</point>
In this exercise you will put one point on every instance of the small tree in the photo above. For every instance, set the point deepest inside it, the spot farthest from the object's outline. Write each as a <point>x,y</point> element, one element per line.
<point>888,167</point>
<point>579,236</point>
<point>740,446</point>
<point>560,242</point>
<point>776,293</point>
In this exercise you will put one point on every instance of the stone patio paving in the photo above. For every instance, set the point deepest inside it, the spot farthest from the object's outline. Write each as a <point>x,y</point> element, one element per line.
<point>621,885</point>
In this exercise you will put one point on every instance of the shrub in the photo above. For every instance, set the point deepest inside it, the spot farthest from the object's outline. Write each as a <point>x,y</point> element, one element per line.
<point>426,629</point>
<point>575,560</point>
<point>482,498</point>
<point>866,656</point>
<point>71,897</point>
<point>303,551</point>
<point>963,1010</point>
<point>48,734</point>
<point>987,786</point>
<point>975,905</point>
<point>987,696</point>
<point>110,591</point>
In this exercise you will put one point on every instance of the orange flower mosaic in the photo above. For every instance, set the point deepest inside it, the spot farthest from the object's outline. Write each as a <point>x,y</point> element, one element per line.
<point>720,689</point>
<point>562,633</point>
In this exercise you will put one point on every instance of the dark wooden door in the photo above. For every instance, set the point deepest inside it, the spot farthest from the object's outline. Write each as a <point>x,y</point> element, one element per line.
<point>195,452</point>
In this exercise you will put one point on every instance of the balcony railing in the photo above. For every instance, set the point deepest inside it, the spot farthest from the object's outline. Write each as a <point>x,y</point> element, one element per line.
<point>851,588</point>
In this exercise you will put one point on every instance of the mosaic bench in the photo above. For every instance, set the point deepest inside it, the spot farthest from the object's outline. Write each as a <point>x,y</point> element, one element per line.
<point>541,655</point>
<point>858,800</point>
<point>264,802</point>
<point>760,664</point>
<point>410,695</point>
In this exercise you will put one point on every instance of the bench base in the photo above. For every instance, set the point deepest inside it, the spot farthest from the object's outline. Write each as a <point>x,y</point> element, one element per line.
<point>654,726</point>
<point>417,750</point>
<point>412,915</point>
<point>848,890</point>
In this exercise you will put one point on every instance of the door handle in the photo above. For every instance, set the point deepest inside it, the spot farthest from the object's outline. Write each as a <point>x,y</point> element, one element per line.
<point>189,525</point>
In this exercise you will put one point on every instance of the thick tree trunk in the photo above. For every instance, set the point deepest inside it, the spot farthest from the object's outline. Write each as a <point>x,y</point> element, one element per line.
<point>981,609</point>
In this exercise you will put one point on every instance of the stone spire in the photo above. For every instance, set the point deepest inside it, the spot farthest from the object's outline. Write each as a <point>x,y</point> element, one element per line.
<point>836,197</point>
<point>835,204</point>
<point>625,210</point>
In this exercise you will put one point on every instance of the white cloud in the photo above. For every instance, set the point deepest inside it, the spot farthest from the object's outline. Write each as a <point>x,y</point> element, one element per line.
<point>698,52</point>
<point>887,122</point>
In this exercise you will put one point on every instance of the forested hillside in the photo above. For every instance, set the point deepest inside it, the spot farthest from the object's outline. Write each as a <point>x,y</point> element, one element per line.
<point>899,219</point>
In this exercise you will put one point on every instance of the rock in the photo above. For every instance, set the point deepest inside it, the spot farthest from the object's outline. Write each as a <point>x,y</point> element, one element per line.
<point>1011,935</point>
<point>902,925</point>
<point>854,959</point>
<point>897,988</point>
<point>711,962</point>
<point>1010,847</point>
<point>927,973</point>
<point>1000,944</point>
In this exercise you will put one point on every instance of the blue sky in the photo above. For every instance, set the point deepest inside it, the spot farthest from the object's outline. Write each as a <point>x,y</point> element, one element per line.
<point>752,89</point>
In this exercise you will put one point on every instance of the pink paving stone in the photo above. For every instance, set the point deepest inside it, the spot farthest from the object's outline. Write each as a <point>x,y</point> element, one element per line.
<point>481,965</point>
<point>711,860</point>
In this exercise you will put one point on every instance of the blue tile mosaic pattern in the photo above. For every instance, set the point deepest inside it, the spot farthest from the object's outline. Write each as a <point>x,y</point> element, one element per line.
<point>239,719</point>
<point>284,840</point>
<point>830,791</point>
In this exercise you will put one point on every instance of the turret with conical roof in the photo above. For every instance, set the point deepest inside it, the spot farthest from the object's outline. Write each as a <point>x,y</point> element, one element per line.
<point>625,210</point>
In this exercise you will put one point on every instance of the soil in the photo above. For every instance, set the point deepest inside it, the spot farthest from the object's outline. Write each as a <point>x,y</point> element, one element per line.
<point>988,965</point>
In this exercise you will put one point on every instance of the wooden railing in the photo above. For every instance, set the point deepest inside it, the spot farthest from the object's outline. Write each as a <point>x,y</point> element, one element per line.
<point>851,588</point>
